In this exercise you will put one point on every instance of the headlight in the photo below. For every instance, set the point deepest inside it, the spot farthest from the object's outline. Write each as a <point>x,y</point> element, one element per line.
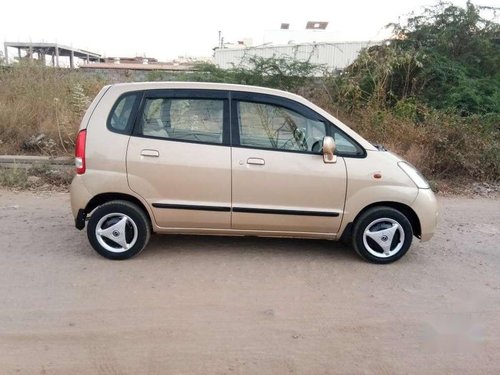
<point>415,175</point>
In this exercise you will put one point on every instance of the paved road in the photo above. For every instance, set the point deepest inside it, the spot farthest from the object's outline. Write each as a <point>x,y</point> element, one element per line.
<point>206,305</point>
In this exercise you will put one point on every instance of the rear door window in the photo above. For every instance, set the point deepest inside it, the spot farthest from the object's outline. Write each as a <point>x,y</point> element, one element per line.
<point>192,120</point>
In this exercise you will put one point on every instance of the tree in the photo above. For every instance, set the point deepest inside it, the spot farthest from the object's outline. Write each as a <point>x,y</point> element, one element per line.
<point>448,57</point>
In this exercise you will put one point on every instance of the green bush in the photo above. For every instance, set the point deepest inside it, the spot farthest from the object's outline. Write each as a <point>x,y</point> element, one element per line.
<point>447,58</point>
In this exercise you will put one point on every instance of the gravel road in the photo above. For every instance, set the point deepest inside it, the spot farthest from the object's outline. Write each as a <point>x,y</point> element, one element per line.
<point>203,305</point>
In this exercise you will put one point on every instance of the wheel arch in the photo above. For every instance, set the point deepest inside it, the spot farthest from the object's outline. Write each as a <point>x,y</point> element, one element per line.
<point>102,198</point>
<point>401,207</point>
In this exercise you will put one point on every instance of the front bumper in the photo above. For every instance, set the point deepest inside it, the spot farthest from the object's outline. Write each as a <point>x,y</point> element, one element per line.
<point>426,208</point>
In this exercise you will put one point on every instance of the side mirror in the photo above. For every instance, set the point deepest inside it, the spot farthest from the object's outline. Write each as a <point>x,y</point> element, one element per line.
<point>329,150</point>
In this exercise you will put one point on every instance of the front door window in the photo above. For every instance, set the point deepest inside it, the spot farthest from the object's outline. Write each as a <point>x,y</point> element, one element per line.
<point>270,126</point>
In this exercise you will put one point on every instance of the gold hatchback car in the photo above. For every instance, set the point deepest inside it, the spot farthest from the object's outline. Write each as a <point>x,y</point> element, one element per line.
<point>206,158</point>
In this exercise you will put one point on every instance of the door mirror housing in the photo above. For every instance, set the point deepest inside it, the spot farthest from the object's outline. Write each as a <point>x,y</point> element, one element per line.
<point>329,150</point>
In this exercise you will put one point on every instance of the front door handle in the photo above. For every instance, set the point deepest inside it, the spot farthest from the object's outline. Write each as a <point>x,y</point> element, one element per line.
<point>256,161</point>
<point>150,153</point>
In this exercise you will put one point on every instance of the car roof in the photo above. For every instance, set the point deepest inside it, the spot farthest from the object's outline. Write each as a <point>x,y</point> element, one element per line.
<point>204,86</point>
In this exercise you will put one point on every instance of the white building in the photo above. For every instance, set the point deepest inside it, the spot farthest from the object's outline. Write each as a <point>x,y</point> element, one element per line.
<point>333,55</point>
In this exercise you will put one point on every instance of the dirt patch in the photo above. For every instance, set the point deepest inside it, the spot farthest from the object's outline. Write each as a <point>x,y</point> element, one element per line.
<point>193,304</point>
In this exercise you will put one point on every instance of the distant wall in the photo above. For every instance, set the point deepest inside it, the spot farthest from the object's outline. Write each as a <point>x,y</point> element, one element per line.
<point>334,56</point>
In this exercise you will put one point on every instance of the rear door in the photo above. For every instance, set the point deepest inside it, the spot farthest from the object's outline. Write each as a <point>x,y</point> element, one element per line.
<point>178,158</point>
<point>280,181</point>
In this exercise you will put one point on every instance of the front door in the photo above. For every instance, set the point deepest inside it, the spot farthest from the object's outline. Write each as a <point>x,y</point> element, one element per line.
<point>280,181</point>
<point>178,158</point>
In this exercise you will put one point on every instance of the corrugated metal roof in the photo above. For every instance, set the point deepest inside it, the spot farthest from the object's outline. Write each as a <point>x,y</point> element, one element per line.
<point>334,56</point>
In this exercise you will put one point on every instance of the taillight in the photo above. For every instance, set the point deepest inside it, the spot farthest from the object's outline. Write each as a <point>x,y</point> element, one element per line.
<point>80,152</point>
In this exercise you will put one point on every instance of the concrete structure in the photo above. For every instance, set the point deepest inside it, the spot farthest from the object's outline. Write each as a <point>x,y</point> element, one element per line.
<point>160,66</point>
<point>334,56</point>
<point>130,60</point>
<point>119,69</point>
<point>26,162</point>
<point>50,49</point>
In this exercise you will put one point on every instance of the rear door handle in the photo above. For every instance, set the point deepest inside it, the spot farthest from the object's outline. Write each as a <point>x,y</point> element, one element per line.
<point>256,161</point>
<point>150,153</point>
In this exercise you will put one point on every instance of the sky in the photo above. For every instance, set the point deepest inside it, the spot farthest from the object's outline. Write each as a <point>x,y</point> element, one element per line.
<point>169,29</point>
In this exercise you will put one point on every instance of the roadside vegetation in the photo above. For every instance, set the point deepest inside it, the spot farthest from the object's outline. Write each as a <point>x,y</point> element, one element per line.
<point>37,177</point>
<point>41,107</point>
<point>430,94</point>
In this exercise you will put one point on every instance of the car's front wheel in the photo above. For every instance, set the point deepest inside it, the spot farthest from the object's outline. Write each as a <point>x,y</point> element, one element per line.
<point>382,235</point>
<point>118,230</point>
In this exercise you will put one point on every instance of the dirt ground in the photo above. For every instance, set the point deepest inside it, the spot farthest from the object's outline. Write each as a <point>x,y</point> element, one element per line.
<point>203,305</point>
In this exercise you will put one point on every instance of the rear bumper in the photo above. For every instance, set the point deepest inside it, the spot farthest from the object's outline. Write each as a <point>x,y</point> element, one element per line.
<point>426,208</point>
<point>79,200</point>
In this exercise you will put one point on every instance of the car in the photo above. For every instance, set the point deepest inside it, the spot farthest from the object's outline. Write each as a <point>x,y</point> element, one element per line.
<point>224,159</point>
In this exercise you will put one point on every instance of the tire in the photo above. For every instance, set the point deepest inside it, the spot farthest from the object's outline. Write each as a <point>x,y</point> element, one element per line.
<point>382,235</point>
<point>118,230</point>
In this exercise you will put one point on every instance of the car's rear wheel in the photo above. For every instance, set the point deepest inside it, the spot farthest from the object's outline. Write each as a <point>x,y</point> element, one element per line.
<point>382,235</point>
<point>118,230</point>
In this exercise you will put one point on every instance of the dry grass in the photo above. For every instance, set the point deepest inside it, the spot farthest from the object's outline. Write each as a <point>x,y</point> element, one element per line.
<point>443,146</point>
<point>16,177</point>
<point>36,100</point>
<point>37,177</point>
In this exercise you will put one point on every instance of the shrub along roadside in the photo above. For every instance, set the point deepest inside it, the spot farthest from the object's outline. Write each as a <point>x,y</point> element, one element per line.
<point>431,94</point>
<point>443,144</point>
<point>42,103</point>
<point>431,104</point>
